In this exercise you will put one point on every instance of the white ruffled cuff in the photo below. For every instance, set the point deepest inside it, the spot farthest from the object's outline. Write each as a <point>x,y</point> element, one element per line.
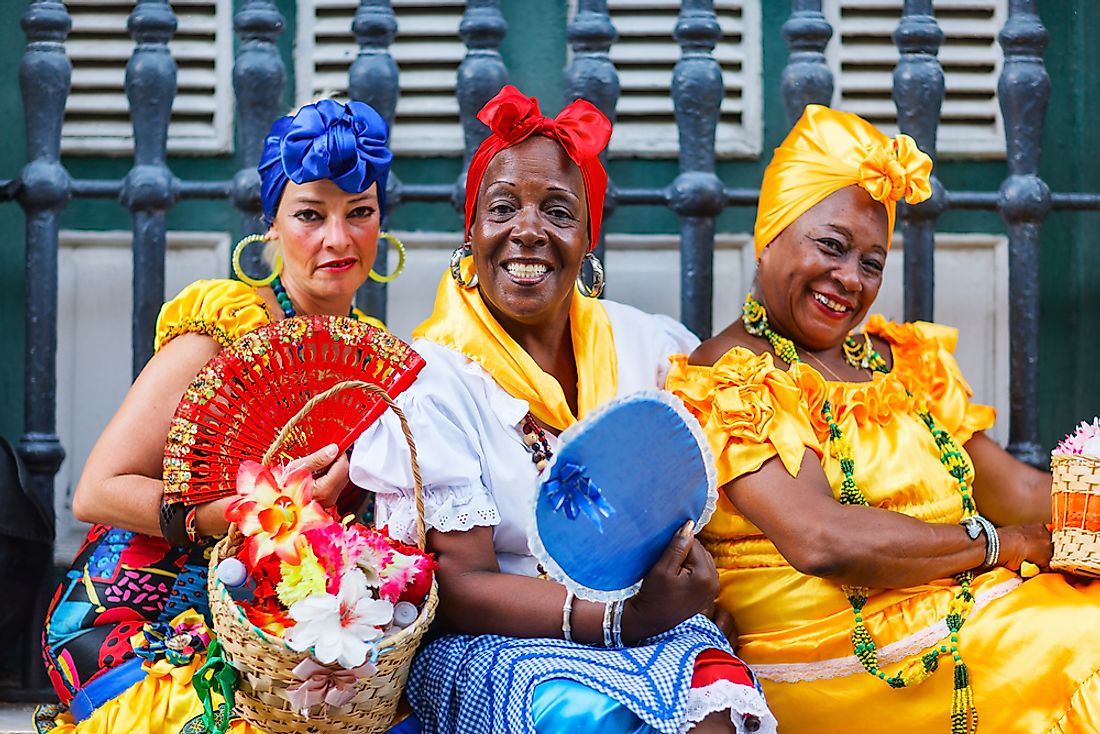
<point>748,710</point>
<point>446,508</point>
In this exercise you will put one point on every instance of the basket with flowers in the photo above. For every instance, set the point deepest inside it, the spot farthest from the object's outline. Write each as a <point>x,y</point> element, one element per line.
<point>1075,470</point>
<point>320,616</point>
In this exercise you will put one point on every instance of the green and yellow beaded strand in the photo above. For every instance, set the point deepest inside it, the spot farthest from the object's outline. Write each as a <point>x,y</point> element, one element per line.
<point>964,715</point>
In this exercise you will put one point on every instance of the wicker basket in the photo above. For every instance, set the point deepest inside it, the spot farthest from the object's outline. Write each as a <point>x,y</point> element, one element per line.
<point>1076,514</point>
<point>265,663</point>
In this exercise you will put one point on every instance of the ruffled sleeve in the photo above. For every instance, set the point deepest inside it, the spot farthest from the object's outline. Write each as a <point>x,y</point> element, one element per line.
<point>221,309</point>
<point>445,431</point>
<point>925,362</point>
<point>749,409</point>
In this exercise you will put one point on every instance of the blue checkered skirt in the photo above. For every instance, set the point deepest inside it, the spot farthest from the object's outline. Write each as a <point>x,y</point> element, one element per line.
<point>484,683</point>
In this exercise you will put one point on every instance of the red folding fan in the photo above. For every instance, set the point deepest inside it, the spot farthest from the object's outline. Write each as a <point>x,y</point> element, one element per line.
<point>240,401</point>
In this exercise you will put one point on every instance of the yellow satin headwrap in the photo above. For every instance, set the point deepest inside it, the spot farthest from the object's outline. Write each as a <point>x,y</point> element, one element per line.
<point>461,321</point>
<point>827,150</point>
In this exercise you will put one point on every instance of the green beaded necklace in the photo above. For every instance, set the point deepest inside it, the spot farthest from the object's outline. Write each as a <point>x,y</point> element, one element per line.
<point>964,715</point>
<point>287,305</point>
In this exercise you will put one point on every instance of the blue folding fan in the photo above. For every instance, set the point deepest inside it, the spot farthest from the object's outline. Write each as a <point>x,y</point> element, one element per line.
<point>625,479</point>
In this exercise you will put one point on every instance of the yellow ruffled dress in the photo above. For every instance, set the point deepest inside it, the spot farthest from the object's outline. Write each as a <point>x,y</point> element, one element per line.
<point>164,702</point>
<point>1029,645</point>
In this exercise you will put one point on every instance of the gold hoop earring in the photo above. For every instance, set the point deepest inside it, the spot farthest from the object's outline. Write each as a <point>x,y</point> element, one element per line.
<point>456,265</point>
<point>245,277</point>
<point>400,259</point>
<point>594,290</point>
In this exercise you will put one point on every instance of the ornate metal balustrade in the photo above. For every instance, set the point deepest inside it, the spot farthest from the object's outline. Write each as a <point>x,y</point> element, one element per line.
<point>697,196</point>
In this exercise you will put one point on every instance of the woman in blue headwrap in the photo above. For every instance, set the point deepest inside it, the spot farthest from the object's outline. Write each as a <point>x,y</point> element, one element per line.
<point>128,625</point>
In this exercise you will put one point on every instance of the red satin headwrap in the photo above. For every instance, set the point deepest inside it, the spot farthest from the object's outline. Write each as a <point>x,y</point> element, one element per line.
<point>581,129</point>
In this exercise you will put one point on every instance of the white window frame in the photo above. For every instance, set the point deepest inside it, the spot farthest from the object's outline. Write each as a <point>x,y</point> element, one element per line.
<point>218,140</point>
<point>732,140</point>
<point>953,142</point>
<point>408,138</point>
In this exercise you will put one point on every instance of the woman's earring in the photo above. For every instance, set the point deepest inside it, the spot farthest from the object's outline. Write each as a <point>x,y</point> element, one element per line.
<point>400,260</point>
<point>456,265</point>
<point>594,290</point>
<point>245,277</point>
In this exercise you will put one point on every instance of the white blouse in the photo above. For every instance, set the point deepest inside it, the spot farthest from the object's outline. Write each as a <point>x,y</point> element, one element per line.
<point>475,468</point>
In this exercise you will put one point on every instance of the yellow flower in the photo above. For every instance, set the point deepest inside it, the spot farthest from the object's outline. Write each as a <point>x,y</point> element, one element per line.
<point>302,580</point>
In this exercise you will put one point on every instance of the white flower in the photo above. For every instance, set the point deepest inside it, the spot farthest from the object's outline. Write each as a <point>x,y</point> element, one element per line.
<point>370,561</point>
<point>338,627</point>
<point>1091,446</point>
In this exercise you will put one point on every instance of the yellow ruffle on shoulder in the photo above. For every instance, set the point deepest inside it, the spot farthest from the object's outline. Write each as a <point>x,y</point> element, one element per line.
<point>221,309</point>
<point>1031,673</point>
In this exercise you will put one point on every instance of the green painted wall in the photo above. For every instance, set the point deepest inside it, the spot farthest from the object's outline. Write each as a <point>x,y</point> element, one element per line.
<point>1070,269</point>
<point>12,222</point>
<point>1070,274</point>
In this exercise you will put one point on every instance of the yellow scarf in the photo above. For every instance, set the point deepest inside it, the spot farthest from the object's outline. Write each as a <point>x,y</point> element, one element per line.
<point>462,322</point>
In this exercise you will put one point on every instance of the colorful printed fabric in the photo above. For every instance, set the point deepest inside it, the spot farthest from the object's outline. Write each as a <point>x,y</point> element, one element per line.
<point>119,581</point>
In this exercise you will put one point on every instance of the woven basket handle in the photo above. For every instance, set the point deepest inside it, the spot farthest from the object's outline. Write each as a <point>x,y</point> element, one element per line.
<point>235,537</point>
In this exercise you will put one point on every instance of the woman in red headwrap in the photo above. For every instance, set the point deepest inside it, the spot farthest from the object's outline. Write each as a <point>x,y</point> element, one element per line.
<point>518,349</point>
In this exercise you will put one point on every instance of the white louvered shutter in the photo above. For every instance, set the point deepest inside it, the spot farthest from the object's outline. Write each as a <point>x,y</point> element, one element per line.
<point>427,50</point>
<point>862,56</point>
<point>97,116</point>
<point>645,55</point>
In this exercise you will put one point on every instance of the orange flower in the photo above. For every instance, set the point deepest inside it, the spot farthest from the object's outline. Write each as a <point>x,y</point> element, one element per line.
<point>273,510</point>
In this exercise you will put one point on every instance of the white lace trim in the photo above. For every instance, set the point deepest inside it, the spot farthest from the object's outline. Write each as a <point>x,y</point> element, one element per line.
<point>748,710</point>
<point>446,508</point>
<point>894,652</point>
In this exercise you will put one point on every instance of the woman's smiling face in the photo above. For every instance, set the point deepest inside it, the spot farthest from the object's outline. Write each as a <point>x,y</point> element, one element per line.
<point>821,274</point>
<point>530,233</point>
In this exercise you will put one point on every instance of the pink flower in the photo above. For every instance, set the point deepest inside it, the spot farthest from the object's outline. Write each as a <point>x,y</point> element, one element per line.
<point>1085,439</point>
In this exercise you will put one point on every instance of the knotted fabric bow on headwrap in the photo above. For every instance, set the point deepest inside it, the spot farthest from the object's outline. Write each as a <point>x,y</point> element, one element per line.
<point>580,128</point>
<point>827,150</point>
<point>328,139</point>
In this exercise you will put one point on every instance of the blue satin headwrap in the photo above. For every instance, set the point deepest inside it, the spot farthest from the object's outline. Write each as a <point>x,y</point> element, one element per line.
<point>327,139</point>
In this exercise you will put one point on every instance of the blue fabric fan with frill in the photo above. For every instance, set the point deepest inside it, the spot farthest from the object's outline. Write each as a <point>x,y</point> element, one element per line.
<point>625,479</point>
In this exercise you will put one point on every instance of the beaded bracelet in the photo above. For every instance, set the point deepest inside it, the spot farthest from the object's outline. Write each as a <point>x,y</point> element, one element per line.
<point>617,625</point>
<point>992,541</point>
<point>566,617</point>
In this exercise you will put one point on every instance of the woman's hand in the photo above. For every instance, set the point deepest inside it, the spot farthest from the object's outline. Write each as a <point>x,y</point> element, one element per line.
<point>683,582</point>
<point>1021,543</point>
<point>330,472</point>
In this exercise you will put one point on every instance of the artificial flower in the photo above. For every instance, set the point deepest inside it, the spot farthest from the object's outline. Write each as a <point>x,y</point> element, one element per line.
<point>408,577</point>
<point>305,579</point>
<point>343,547</point>
<point>1085,440</point>
<point>339,627</point>
<point>273,509</point>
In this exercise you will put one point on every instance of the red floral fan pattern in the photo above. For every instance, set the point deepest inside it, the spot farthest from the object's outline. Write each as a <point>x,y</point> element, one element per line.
<point>240,401</point>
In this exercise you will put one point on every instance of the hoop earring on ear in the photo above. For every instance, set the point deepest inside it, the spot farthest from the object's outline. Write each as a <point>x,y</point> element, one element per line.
<point>594,290</point>
<point>400,260</point>
<point>456,265</point>
<point>245,277</point>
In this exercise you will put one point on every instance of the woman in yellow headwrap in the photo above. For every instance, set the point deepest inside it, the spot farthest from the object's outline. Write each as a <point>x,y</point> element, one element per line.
<point>870,536</point>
